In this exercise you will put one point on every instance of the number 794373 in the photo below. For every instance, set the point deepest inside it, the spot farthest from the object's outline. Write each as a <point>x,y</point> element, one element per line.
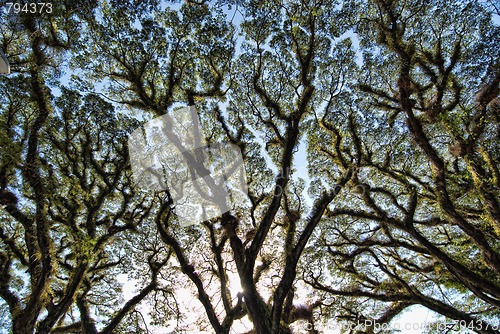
<point>31,7</point>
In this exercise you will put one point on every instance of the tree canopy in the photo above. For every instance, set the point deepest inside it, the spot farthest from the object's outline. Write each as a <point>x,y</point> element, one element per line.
<point>369,132</point>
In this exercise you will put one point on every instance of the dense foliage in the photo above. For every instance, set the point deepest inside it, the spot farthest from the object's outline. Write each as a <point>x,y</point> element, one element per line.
<point>369,132</point>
